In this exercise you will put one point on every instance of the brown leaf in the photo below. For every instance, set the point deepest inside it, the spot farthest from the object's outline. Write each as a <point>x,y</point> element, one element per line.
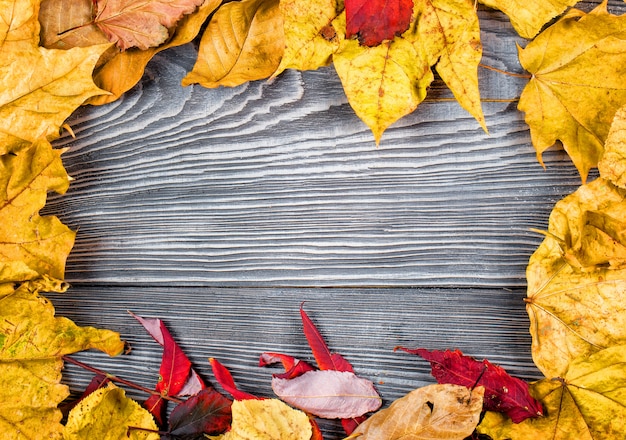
<point>432,412</point>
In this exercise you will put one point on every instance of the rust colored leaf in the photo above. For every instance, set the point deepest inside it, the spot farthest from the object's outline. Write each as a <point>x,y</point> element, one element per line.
<point>225,379</point>
<point>374,21</point>
<point>324,358</point>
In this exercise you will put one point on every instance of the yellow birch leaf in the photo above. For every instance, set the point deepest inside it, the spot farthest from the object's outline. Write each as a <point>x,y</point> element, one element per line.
<point>243,42</point>
<point>268,419</point>
<point>578,67</point>
<point>449,34</point>
<point>30,245</point>
<point>107,414</point>
<point>312,33</point>
<point>587,403</point>
<point>440,411</point>
<point>529,16</point>
<point>612,164</point>
<point>383,83</point>
<point>39,88</point>
<point>32,341</point>
<point>574,309</point>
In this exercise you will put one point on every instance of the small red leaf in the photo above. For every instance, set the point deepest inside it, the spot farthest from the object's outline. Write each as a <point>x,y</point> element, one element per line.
<point>208,412</point>
<point>293,367</point>
<point>349,425</point>
<point>503,393</point>
<point>325,360</point>
<point>225,379</point>
<point>374,21</point>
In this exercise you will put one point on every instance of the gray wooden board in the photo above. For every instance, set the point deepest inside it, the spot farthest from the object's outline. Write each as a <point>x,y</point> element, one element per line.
<point>221,210</point>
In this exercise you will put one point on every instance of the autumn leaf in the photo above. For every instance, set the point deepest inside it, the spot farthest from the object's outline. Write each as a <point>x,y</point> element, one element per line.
<point>207,412</point>
<point>587,403</point>
<point>32,341</point>
<point>225,379</point>
<point>107,414</point>
<point>375,21</point>
<point>32,246</point>
<point>529,16</point>
<point>575,311</point>
<point>293,367</point>
<point>140,23</point>
<point>441,411</point>
<point>268,419</point>
<point>503,393</point>
<point>612,164</point>
<point>39,87</point>
<point>329,394</point>
<point>577,66</point>
<point>243,42</point>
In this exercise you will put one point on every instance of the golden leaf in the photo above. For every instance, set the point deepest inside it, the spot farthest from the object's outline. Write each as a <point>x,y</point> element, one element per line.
<point>268,419</point>
<point>69,23</point>
<point>612,164</point>
<point>529,16</point>
<point>30,245</point>
<point>39,87</point>
<point>576,280</point>
<point>587,403</point>
<point>441,411</point>
<point>107,414</point>
<point>243,42</point>
<point>578,67</point>
<point>32,341</point>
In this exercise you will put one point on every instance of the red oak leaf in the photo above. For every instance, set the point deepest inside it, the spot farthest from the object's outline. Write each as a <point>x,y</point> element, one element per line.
<point>374,21</point>
<point>176,377</point>
<point>225,379</point>
<point>207,412</point>
<point>503,393</point>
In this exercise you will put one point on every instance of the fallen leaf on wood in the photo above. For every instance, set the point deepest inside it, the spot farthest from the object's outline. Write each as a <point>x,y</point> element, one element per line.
<point>374,21</point>
<point>207,412</point>
<point>577,66</point>
<point>441,411</point>
<point>107,414</point>
<point>242,42</point>
<point>323,357</point>
<point>225,379</point>
<point>503,393</point>
<point>329,394</point>
<point>587,403</point>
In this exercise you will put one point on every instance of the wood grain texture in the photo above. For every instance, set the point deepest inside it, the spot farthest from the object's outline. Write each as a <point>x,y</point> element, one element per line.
<point>222,210</point>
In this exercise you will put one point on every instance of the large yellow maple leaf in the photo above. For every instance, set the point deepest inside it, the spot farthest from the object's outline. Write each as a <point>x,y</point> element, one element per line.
<point>39,88</point>
<point>578,66</point>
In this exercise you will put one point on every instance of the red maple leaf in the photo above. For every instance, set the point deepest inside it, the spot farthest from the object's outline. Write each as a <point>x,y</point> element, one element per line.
<point>374,21</point>
<point>503,393</point>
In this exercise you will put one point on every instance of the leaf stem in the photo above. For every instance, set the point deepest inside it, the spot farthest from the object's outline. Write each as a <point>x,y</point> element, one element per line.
<point>119,379</point>
<point>504,72</point>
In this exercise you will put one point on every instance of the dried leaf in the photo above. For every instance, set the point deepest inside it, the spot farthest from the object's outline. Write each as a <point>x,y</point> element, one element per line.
<point>329,394</point>
<point>612,164</point>
<point>207,412</point>
<point>529,16</point>
<point>107,414</point>
<point>243,42</point>
<point>225,379</point>
<point>268,419</point>
<point>69,23</point>
<point>32,246</point>
<point>587,403</point>
<point>577,66</point>
<point>324,358</point>
<point>576,311</point>
<point>57,81</point>
<point>374,21</point>
<point>140,23</point>
<point>32,341</point>
<point>293,367</point>
<point>503,393</point>
<point>433,412</point>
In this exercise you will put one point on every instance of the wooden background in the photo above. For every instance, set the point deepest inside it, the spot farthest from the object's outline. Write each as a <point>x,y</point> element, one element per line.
<point>221,211</point>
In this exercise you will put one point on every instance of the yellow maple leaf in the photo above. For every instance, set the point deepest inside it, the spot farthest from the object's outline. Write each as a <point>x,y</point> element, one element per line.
<point>242,43</point>
<point>576,278</point>
<point>587,403</point>
<point>578,66</point>
<point>440,411</point>
<point>107,414</point>
<point>39,87</point>
<point>529,16</point>
<point>268,419</point>
<point>32,341</point>
<point>30,245</point>
<point>612,164</point>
